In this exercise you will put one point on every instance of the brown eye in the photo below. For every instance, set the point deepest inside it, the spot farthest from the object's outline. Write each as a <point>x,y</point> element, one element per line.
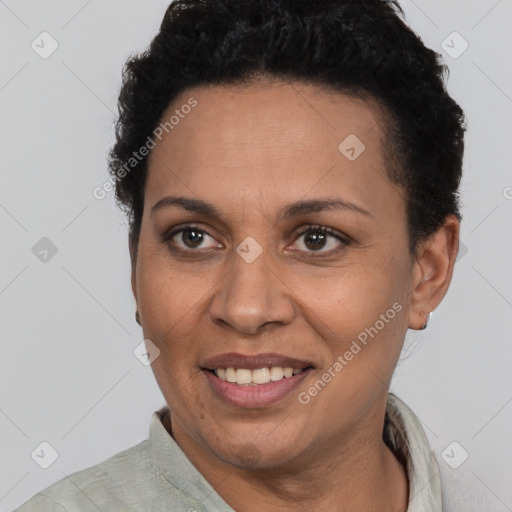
<point>190,238</point>
<point>315,240</point>
<point>320,239</point>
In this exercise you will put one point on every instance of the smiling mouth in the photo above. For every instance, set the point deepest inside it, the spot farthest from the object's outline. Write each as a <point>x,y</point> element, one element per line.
<point>255,381</point>
<point>256,377</point>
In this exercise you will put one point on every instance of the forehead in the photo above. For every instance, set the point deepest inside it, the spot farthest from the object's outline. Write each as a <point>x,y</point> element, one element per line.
<point>271,138</point>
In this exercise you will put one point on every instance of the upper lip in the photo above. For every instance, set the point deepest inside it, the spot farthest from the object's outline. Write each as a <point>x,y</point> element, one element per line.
<point>253,362</point>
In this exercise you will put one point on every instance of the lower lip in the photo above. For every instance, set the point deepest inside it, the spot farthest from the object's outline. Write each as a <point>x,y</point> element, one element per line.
<point>261,395</point>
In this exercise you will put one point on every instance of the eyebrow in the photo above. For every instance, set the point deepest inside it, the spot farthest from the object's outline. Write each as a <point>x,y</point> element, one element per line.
<point>291,210</point>
<point>318,205</point>
<point>187,203</point>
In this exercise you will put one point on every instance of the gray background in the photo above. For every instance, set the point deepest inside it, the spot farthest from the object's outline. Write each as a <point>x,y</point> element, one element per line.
<point>68,373</point>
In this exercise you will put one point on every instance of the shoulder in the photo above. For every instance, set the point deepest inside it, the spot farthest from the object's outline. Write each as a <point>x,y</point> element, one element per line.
<point>152,475</point>
<point>456,489</point>
<point>463,490</point>
<point>109,485</point>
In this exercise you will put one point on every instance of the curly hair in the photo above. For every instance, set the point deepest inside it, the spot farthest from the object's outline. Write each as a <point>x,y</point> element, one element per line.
<point>361,48</point>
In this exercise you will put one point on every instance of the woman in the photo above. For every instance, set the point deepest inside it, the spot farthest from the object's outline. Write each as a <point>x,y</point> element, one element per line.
<point>290,170</point>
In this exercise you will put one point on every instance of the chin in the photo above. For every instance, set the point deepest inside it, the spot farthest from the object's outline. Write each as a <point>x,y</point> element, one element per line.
<point>253,453</point>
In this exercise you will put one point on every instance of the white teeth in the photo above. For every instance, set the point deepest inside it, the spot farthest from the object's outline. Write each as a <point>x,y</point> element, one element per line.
<point>230,375</point>
<point>261,376</point>
<point>276,373</point>
<point>245,377</point>
<point>288,372</point>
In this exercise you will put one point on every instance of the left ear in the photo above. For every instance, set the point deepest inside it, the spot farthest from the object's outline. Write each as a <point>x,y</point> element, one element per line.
<point>432,271</point>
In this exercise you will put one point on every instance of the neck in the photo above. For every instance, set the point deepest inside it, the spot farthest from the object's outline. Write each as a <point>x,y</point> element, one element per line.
<point>360,473</point>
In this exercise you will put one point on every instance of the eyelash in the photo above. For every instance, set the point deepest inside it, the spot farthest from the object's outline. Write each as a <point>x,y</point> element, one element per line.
<point>325,231</point>
<point>345,241</point>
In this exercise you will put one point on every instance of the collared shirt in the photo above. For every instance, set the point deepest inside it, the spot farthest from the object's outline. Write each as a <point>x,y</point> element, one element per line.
<point>156,475</point>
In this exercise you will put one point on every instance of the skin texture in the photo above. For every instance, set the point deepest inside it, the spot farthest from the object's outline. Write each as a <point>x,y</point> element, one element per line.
<point>250,151</point>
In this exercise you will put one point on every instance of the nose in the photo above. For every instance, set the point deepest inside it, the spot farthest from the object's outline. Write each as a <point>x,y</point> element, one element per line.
<point>252,295</point>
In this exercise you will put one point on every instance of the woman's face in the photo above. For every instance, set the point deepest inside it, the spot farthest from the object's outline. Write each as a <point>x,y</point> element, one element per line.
<point>237,274</point>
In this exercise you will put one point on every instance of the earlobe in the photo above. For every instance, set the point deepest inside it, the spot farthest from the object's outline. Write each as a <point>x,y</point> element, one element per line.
<point>432,272</point>
<point>427,318</point>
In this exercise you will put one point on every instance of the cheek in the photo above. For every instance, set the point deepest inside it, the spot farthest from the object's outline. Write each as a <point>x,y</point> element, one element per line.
<point>168,303</point>
<point>164,291</point>
<point>359,312</point>
<point>349,297</point>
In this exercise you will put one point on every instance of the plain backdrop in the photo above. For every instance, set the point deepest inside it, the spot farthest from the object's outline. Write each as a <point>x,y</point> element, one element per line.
<point>68,375</point>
